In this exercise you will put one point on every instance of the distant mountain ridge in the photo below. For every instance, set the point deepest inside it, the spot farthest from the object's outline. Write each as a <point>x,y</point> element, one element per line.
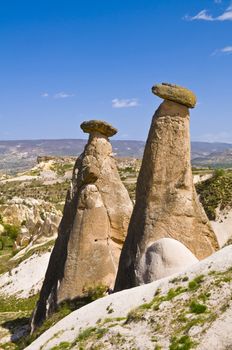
<point>22,154</point>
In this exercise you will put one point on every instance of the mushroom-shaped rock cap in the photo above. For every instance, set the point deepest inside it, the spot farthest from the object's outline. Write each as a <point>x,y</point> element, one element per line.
<point>99,126</point>
<point>175,93</point>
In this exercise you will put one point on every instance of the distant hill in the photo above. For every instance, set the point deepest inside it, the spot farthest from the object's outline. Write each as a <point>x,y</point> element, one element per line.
<point>17,155</point>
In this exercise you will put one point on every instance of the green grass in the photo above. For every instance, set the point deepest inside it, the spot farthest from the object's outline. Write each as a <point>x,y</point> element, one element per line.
<point>62,346</point>
<point>195,283</point>
<point>13,304</point>
<point>89,332</point>
<point>182,343</point>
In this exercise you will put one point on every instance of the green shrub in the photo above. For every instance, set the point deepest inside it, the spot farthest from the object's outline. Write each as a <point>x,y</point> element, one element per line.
<point>197,308</point>
<point>196,282</point>
<point>11,231</point>
<point>219,172</point>
<point>95,292</point>
<point>183,343</point>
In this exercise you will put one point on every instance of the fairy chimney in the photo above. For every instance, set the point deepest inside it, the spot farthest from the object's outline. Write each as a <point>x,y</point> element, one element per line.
<point>166,201</point>
<point>93,227</point>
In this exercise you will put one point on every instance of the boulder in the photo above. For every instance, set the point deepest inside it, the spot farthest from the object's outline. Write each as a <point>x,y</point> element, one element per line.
<point>175,93</point>
<point>166,201</point>
<point>164,258</point>
<point>93,228</point>
<point>98,126</point>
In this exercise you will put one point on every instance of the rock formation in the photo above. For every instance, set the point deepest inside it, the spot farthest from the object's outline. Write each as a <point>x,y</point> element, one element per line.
<point>166,201</point>
<point>36,219</point>
<point>93,227</point>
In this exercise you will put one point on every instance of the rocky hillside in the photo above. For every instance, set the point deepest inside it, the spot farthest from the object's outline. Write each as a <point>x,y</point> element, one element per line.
<point>31,205</point>
<point>191,310</point>
<point>18,156</point>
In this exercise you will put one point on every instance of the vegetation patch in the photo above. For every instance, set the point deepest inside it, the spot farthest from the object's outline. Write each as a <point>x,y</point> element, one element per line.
<point>195,283</point>
<point>197,308</point>
<point>216,192</point>
<point>12,304</point>
<point>182,343</point>
<point>62,346</point>
<point>91,294</point>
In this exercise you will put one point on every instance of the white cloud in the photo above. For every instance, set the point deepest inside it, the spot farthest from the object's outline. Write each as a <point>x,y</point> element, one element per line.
<point>227,50</point>
<point>202,15</point>
<point>125,103</point>
<point>62,94</point>
<point>44,94</point>
<point>205,16</point>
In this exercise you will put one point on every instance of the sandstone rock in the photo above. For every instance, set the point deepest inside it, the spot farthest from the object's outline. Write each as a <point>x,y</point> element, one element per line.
<point>23,238</point>
<point>98,126</point>
<point>1,229</point>
<point>93,227</point>
<point>175,93</point>
<point>166,201</point>
<point>163,258</point>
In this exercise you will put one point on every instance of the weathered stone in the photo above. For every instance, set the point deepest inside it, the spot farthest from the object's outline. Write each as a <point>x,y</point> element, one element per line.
<point>92,230</point>
<point>98,126</point>
<point>175,93</point>
<point>163,258</point>
<point>166,201</point>
<point>40,219</point>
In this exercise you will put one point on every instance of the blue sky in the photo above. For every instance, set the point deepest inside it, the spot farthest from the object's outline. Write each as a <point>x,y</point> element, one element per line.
<point>65,61</point>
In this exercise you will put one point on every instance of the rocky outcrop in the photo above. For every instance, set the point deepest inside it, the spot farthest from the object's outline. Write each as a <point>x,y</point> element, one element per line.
<point>166,201</point>
<point>36,219</point>
<point>93,227</point>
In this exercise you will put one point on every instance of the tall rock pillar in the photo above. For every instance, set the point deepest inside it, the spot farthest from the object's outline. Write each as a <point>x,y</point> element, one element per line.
<point>166,201</point>
<point>93,227</point>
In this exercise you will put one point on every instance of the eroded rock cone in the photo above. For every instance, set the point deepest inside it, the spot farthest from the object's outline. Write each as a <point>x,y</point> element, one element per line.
<point>166,201</point>
<point>93,227</point>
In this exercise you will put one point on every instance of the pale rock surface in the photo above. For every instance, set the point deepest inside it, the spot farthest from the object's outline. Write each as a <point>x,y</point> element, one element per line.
<point>164,258</point>
<point>1,229</point>
<point>222,225</point>
<point>201,178</point>
<point>218,337</point>
<point>93,227</point>
<point>26,279</point>
<point>166,201</point>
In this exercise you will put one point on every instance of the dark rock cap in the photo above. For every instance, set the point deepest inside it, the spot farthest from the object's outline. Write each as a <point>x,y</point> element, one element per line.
<point>175,93</point>
<point>99,126</point>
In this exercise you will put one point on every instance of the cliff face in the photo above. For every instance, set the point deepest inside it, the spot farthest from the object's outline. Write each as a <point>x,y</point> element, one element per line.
<point>93,227</point>
<point>166,201</point>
